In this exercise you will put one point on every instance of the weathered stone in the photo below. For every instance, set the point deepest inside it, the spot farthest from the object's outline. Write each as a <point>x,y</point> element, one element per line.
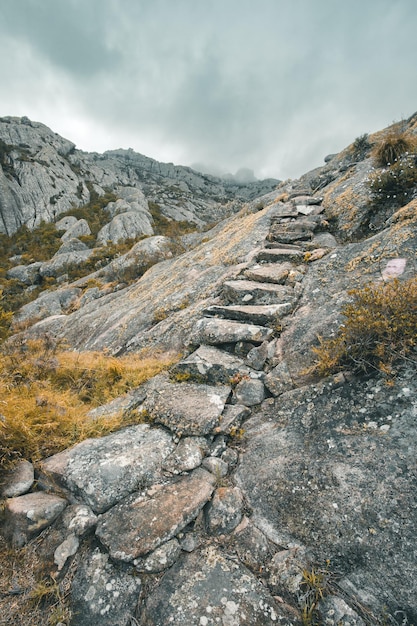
<point>323,240</point>
<point>103,594</point>
<point>334,610</point>
<point>123,404</point>
<point>103,471</point>
<point>255,314</point>
<point>125,226</point>
<point>231,418</point>
<point>18,480</point>
<point>187,455</point>
<point>47,304</point>
<point>142,523</point>
<point>224,512</point>
<point>26,274</point>
<point>269,273</point>
<point>230,456</point>
<point>140,257</point>
<point>211,365</point>
<point>65,550</point>
<point>285,572</point>
<point>242,348</point>
<point>205,588</point>
<point>290,232</point>
<point>79,229</point>
<point>216,466</point>
<point>218,445</point>
<point>79,518</point>
<point>72,245</point>
<point>251,545</point>
<point>333,468</point>
<point>279,379</point>
<point>27,515</point>
<point>257,357</point>
<point>316,254</point>
<point>217,332</point>
<point>66,222</point>
<point>261,292</point>
<point>187,408</point>
<point>60,262</point>
<point>275,255</point>
<point>250,392</point>
<point>160,559</point>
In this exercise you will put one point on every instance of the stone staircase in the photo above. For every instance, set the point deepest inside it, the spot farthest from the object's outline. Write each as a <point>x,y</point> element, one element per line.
<point>156,490</point>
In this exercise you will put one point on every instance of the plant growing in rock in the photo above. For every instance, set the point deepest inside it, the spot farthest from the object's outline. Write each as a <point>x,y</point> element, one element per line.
<point>361,147</point>
<point>396,185</point>
<point>378,333</point>
<point>392,147</point>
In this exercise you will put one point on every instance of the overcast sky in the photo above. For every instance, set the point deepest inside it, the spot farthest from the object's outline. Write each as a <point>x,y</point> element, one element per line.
<point>270,85</point>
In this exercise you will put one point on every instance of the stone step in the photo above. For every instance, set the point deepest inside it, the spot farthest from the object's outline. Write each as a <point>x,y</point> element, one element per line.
<point>253,292</point>
<point>210,365</point>
<point>290,232</point>
<point>280,254</point>
<point>214,331</point>
<point>256,314</point>
<point>298,247</point>
<point>276,273</point>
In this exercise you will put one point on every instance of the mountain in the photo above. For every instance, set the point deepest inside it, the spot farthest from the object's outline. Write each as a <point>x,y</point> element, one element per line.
<point>268,475</point>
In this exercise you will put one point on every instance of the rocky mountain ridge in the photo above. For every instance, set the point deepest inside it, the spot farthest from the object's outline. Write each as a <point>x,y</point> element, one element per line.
<point>253,493</point>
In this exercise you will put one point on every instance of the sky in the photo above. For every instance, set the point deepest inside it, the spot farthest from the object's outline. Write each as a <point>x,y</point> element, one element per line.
<point>269,85</point>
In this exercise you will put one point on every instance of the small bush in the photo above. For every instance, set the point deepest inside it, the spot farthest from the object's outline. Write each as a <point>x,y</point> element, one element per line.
<point>379,330</point>
<point>361,147</point>
<point>392,147</point>
<point>396,185</point>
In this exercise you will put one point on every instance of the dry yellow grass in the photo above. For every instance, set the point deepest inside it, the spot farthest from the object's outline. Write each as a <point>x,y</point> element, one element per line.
<point>46,394</point>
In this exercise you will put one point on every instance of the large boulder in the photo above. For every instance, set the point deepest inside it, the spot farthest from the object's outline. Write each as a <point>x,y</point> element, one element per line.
<point>123,226</point>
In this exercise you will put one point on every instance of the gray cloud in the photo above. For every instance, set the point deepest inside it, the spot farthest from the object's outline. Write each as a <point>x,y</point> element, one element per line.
<point>272,85</point>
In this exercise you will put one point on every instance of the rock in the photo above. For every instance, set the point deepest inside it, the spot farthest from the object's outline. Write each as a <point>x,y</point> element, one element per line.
<point>65,550</point>
<point>257,357</point>
<point>250,392</point>
<point>211,365</point>
<point>230,456</point>
<point>269,273</point>
<point>218,446</point>
<point>231,418</point>
<point>206,588</point>
<point>334,610</point>
<point>26,516</point>
<point>60,262</point>
<point>216,331</point>
<point>262,293</point>
<point>122,404</point>
<point>47,304</point>
<point>187,408</point>
<point>26,274</point>
<point>103,471</point>
<point>276,255</point>
<point>125,226</point>
<point>66,222</point>
<point>323,240</point>
<point>79,229</point>
<point>224,512</point>
<point>102,593</point>
<point>279,379</point>
<point>72,245</point>
<point>187,455</point>
<point>18,481</point>
<point>216,466</point>
<point>258,314</point>
<point>79,519</point>
<point>140,257</point>
<point>320,469</point>
<point>142,523</point>
<point>285,572</point>
<point>161,558</point>
<point>251,545</point>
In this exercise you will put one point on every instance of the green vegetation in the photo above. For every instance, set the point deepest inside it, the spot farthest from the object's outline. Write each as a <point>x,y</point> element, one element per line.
<point>361,147</point>
<point>169,228</point>
<point>315,585</point>
<point>93,212</point>
<point>379,331</point>
<point>392,147</point>
<point>396,185</point>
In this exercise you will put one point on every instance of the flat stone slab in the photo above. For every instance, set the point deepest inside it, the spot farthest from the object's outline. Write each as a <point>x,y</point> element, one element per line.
<point>103,471</point>
<point>187,408</point>
<point>217,331</point>
<point>269,273</point>
<point>255,314</point>
<point>142,523</point>
<point>26,516</point>
<point>253,292</point>
<point>205,588</point>
<point>211,365</point>
<point>280,254</point>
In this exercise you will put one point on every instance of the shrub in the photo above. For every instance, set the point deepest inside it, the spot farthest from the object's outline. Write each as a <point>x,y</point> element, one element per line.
<point>396,185</point>
<point>394,145</point>
<point>379,330</point>
<point>5,321</point>
<point>361,147</point>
